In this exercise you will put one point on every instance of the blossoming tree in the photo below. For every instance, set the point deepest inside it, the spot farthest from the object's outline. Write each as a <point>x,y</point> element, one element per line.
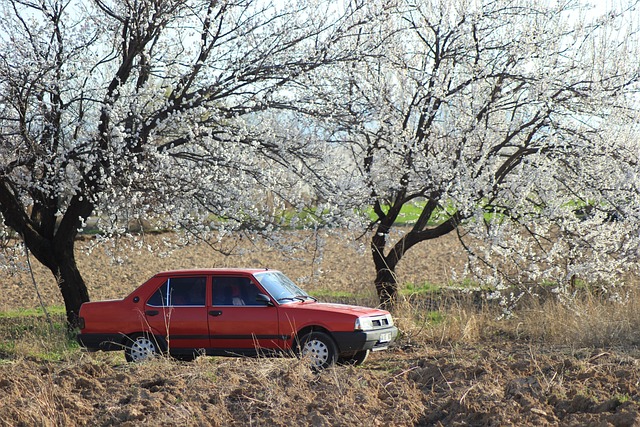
<point>156,108</point>
<point>496,119</point>
<point>501,121</point>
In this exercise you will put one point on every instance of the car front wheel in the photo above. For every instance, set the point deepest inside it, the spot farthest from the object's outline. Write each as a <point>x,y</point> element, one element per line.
<point>141,347</point>
<point>320,349</point>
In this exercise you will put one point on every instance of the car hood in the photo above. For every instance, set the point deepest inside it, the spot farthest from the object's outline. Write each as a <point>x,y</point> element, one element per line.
<point>354,310</point>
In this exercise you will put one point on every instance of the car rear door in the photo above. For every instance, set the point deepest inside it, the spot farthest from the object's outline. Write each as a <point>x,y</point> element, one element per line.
<point>178,312</point>
<point>237,321</point>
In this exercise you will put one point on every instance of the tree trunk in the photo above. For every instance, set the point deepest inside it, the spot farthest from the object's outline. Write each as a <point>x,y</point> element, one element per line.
<point>58,256</point>
<point>387,287</point>
<point>385,282</point>
<point>52,247</point>
<point>72,286</point>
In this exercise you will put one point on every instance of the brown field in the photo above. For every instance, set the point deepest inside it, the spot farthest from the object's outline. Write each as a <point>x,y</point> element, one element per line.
<point>550,364</point>
<point>318,262</point>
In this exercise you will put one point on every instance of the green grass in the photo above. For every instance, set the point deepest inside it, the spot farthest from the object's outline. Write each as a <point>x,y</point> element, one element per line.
<point>423,288</point>
<point>7,348</point>
<point>435,317</point>
<point>28,333</point>
<point>623,398</point>
<point>409,214</point>
<point>427,288</point>
<point>26,312</point>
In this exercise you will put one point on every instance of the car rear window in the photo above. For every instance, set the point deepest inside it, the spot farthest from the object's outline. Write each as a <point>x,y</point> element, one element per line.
<point>180,291</point>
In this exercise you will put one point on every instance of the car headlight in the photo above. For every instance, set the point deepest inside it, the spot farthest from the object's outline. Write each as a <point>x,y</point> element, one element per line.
<point>363,324</point>
<point>375,322</point>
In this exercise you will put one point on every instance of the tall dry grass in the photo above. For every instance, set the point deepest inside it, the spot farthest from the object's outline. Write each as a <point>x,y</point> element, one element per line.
<point>586,320</point>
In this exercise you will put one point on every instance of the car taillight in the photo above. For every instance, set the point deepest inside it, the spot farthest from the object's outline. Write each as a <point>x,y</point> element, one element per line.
<point>81,322</point>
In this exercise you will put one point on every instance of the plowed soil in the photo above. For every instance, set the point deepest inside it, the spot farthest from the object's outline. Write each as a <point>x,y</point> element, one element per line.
<point>499,381</point>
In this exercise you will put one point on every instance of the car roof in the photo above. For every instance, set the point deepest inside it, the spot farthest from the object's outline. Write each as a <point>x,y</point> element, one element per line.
<point>212,271</point>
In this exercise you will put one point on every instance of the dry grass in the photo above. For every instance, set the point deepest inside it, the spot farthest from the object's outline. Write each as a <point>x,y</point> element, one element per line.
<point>209,391</point>
<point>457,362</point>
<point>587,320</point>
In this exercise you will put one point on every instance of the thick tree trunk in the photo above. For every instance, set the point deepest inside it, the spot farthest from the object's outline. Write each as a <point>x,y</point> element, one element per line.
<point>52,246</point>
<point>386,281</point>
<point>386,287</point>
<point>58,256</point>
<point>72,286</point>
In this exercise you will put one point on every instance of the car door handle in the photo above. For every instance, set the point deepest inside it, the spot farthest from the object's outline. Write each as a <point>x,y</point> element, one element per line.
<point>151,312</point>
<point>215,312</point>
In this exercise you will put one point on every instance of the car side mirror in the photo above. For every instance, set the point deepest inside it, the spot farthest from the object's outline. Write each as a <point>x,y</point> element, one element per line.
<point>264,300</point>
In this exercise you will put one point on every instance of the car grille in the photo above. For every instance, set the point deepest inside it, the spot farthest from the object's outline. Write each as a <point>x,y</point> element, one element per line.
<point>380,322</point>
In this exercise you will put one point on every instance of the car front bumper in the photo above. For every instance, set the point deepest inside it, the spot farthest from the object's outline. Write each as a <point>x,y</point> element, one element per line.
<point>376,339</point>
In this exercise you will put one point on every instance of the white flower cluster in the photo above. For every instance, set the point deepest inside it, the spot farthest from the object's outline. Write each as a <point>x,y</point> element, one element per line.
<point>512,124</point>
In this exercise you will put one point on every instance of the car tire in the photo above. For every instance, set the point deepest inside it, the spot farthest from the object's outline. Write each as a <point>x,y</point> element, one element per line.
<point>357,359</point>
<point>184,357</point>
<point>320,349</point>
<point>141,347</point>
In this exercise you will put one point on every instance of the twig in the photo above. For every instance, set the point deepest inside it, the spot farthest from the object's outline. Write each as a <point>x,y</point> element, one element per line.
<point>598,356</point>
<point>35,285</point>
<point>464,395</point>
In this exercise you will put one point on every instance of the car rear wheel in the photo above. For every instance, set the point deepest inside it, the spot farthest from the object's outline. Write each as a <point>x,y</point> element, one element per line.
<point>320,349</point>
<point>141,347</point>
<point>358,358</point>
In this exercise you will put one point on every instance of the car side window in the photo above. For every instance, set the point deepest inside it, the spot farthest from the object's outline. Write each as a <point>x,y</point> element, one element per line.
<point>229,290</point>
<point>160,298</point>
<point>180,291</point>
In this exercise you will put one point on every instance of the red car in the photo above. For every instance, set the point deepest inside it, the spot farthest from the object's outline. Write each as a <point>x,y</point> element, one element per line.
<point>232,312</point>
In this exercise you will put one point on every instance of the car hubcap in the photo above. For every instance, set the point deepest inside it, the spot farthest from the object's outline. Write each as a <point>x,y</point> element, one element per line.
<point>317,351</point>
<point>142,349</point>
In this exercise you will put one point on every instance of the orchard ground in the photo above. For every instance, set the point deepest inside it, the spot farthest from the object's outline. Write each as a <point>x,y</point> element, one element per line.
<point>550,364</point>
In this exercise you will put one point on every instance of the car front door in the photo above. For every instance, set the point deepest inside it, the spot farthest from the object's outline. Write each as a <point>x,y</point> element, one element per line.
<point>238,322</point>
<point>178,312</point>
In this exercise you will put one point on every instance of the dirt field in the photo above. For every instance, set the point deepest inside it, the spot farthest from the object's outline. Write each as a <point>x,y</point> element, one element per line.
<point>495,378</point>
<point>317,262</point>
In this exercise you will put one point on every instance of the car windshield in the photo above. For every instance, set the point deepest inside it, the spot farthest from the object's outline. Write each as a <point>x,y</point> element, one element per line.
<point>281,287</point>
